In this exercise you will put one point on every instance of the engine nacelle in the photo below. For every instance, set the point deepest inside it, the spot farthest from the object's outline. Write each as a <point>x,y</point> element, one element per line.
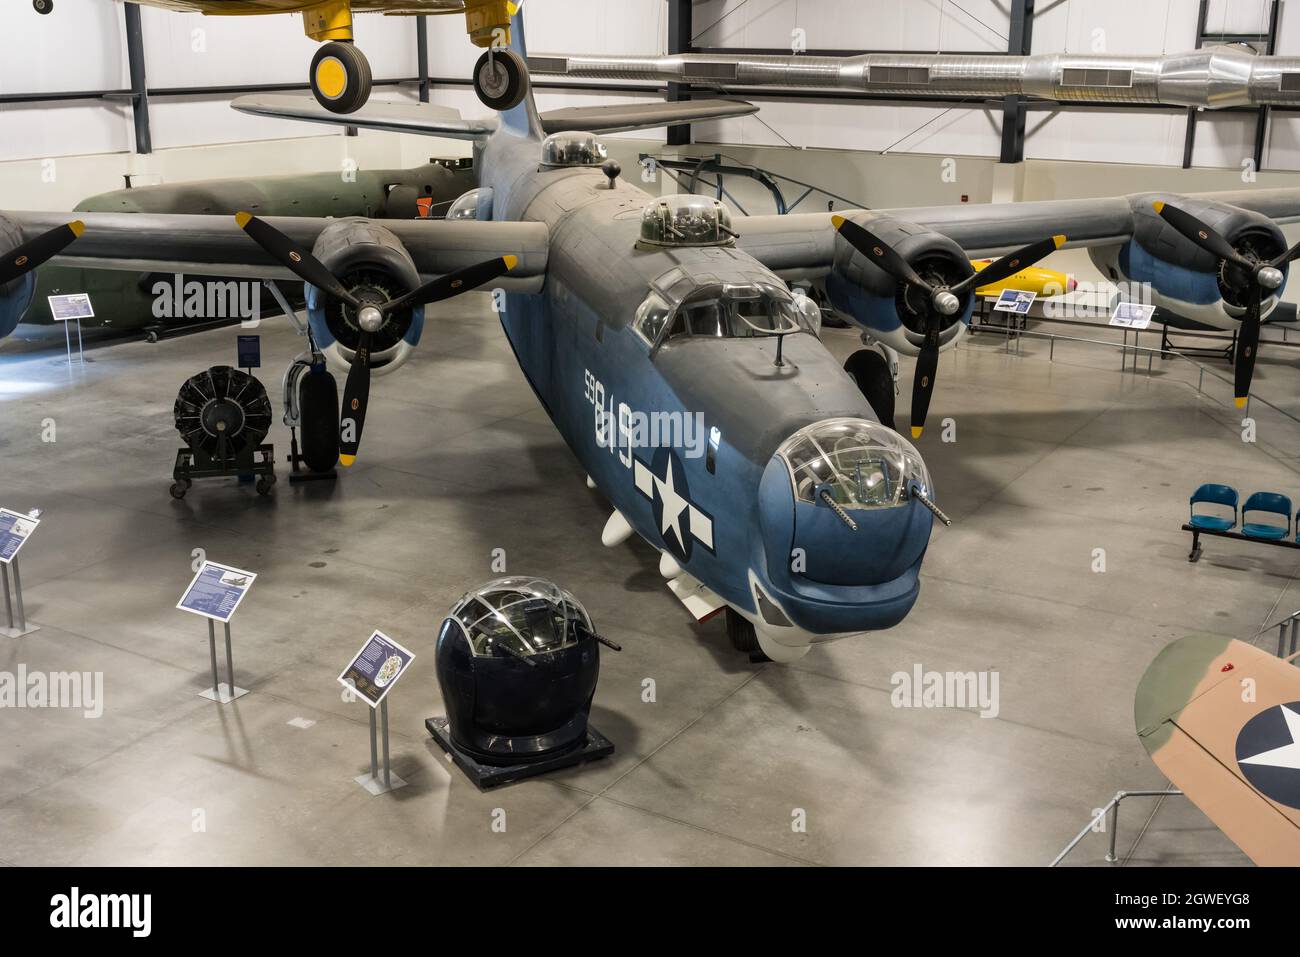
<point>1182,277</point>
<point>893,313</point>
<point>373,265</point>
<point>16,295</point>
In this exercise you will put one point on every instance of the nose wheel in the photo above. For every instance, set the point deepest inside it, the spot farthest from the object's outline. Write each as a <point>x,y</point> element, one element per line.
<point>501,79</point>
<point>743,637</point>
<point>340,77</point>
<point>43,6</point>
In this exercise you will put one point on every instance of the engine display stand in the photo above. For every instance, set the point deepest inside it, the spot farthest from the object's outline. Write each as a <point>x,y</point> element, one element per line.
<point>192,464</point>
<point>18,626</point>
<point>487,776</point>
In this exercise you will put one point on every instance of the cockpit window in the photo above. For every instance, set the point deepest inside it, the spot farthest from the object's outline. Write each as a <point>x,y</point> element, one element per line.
<point>722,311</point>
<point>858,463</point>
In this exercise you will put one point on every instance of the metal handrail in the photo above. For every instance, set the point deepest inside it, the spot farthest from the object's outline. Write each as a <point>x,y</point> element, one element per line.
<point>1112,806</point>
<point>1126,347</point>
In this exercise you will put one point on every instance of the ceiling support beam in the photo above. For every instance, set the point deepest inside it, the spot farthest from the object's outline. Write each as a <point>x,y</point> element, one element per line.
<point>1019,42</point>
<point>679,41</point>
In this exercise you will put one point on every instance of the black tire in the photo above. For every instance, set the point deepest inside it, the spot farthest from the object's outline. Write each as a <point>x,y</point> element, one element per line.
<point>743,637</point>
<point>356,77</point>
<point>870,371</point>
<point>501,79</point>
<point>43,7</point>
<point>265,484</point>
<point>178,490</point>
<point>318,404</point>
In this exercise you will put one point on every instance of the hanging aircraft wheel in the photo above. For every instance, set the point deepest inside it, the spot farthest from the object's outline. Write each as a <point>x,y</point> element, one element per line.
<point>743,637</point>
<point>501,79</point>
<point>870,371</point>
<point>43,6</point>
<point>318,404</point>
<point>340,77</point>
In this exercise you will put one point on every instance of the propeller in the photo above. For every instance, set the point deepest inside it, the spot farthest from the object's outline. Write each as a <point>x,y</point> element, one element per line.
<point>1262,278</point>
<point>941,301</point>
<point>31,254</point>
<point>370,314</point>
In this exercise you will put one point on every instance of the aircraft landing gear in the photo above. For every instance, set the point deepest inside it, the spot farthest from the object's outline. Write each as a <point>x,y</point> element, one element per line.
<point>43,6</point>
<point>872,372</point>
<point>743,637</point>
<point>340,77</point>
<point>501,79</point>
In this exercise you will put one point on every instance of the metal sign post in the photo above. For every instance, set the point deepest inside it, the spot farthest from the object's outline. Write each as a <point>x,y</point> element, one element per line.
<point>214,594</point>
<point>15,529</point>
<point>370,676</point>
<point>72,308</point>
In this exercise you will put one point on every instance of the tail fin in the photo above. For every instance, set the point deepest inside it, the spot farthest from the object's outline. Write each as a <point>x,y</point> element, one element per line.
<point>522,119</point>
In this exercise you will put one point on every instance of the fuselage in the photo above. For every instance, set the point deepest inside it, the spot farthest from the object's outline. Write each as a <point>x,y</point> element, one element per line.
<point>714,496</point>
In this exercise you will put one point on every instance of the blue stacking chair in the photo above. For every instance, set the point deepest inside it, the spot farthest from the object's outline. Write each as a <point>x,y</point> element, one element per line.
<point>1267,502</point>
<point>1213,494</point>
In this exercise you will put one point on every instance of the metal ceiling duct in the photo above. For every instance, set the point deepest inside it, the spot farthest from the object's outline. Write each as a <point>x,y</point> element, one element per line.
<point>1212,77</point>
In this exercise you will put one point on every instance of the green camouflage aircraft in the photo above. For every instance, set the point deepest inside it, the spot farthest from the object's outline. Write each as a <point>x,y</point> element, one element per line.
<point>134,303</point>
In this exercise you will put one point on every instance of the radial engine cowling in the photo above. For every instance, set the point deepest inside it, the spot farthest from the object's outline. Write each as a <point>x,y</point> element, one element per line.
<point>372,264</point>
<point>891,312</point>
<point>1163,267</point>
<point>15,296</point>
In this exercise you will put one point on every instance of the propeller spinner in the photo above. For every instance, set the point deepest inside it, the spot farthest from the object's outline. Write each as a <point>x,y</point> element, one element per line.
<point>1257,277</point>
<point>941,302</point>
<point>370,314</point>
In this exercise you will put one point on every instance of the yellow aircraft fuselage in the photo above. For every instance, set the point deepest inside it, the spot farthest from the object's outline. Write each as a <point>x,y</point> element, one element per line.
<point>1045,282</point>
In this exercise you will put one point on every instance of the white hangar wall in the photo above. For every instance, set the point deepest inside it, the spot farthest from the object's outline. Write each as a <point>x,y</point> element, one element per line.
<point>82,47</point>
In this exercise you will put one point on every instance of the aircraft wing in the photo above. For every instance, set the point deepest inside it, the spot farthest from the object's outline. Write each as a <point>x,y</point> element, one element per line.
<point>422,118</point>
<point>619,118</point>
<point>802,245</point>
<point>216,246</point>
<point>429,120</point>
<point>1221,719</point>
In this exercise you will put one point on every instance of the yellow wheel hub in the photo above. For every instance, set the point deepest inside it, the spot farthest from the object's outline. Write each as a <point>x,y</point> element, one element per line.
<point>331,77</point>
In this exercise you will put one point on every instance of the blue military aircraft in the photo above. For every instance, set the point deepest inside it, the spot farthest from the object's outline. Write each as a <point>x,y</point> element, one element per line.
<point>661,335</point>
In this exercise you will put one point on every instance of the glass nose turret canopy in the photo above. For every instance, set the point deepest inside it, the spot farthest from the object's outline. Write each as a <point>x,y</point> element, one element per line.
<point>520,617</point>
<point>561,150</point>
<point>861,464</point>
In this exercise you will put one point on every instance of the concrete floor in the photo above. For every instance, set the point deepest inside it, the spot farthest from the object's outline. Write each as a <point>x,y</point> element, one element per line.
<point>1052,460</point>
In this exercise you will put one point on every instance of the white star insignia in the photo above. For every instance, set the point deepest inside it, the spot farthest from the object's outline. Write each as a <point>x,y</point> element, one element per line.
<point>1288,755</point>
<point>673,504</point>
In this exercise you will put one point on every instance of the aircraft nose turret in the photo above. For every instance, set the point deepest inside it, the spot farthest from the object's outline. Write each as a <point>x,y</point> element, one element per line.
<point>841,505</point>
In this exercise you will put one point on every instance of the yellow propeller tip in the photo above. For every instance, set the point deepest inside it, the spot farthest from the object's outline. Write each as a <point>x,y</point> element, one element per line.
<point>1241,401</point>
<point>510,261</point>
<point>347,460</point>
<point>243,218</point>
<point>1059,239</point>
<point>917,430</point>
<point>837,221</point>
<point>1158,207</point>
<point>77,227</point>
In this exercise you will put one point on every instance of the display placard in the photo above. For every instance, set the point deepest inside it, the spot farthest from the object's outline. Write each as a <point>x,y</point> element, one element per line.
<point>1132,315</point>
<point>376,668</point>
<point>15,529</point>
<point>1015,300</point>
<point>249,349</point>
<point>71,306</point>
<point>216,591</point>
